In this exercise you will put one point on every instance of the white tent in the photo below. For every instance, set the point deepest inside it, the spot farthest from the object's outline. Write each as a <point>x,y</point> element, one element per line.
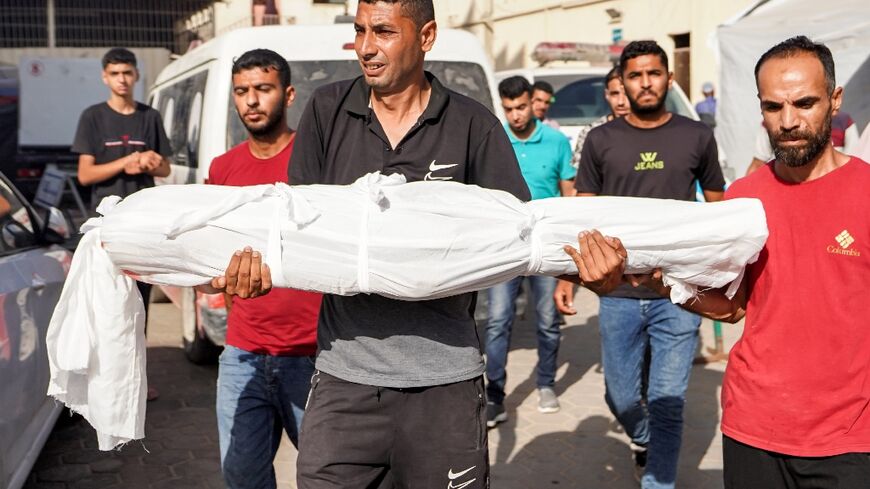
<point>842,25</point>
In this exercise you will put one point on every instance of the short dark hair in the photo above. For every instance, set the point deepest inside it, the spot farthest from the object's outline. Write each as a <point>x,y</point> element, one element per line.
<point>613,74</point>
<point>635,49</point>
<point>117,56</point>
<point>265,59</point>
<point>514,87</point>
<point>802,45</point>
<point>544,87</point>
<point>420,11</point>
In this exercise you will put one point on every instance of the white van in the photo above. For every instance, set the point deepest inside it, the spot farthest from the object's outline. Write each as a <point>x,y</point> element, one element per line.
<point>194,92</point>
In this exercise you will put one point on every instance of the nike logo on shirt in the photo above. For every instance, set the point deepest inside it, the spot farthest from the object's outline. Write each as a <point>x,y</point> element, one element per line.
<point>455,475</point>
<point>433,167</point>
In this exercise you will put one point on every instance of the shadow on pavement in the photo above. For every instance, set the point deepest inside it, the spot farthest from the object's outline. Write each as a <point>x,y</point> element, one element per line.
<point>578,360</point>
<point>596,453</point>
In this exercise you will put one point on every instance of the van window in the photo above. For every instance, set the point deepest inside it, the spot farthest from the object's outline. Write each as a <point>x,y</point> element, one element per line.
<point>582,102</point>
<point>469,79</point>
<point>180,104</point>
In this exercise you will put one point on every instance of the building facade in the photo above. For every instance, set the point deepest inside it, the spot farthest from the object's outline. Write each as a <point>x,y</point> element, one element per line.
<point>510,29</point>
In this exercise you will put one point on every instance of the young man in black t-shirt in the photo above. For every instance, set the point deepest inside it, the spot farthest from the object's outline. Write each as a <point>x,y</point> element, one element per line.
<point>121,143</point>
<point>648,153</point>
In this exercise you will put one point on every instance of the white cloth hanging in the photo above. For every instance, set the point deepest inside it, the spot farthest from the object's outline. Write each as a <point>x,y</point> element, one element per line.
<point>380,235</point>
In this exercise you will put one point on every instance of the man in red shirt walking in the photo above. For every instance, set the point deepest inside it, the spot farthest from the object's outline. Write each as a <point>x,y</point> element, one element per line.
<point>265,370</point>
<point>796,394</point>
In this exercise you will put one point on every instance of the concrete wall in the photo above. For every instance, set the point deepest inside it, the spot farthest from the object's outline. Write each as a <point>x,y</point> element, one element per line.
<point>510,29</point>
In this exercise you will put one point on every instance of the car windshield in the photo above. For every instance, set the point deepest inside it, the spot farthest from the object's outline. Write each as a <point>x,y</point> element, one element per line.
<point>582,102</point>
<point>469,79</point>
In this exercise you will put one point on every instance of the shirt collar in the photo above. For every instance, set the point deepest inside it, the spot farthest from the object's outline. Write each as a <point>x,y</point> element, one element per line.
<point>535,137</point>
<point>357,101</point>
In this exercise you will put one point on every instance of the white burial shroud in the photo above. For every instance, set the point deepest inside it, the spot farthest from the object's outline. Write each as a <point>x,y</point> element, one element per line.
<point>380,235</point>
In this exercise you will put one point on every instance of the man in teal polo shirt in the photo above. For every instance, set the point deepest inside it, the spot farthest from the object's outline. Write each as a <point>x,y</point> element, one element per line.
<point>544,155</point>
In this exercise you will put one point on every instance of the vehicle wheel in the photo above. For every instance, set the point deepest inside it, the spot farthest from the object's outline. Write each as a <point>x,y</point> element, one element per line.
<point>198,349</point>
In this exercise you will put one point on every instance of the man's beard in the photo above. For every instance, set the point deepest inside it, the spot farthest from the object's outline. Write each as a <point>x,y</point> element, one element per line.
<point>794,156</point>
<point>645,109</point>
<point>525,127</point>
<point>272,122</point>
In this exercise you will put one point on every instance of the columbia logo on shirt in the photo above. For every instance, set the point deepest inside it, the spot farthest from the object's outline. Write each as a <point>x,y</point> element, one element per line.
<point>844,241</point>
<point>648,161</point>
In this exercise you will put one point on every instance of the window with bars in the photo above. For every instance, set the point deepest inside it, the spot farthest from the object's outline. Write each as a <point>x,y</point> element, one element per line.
<point>98,23</point>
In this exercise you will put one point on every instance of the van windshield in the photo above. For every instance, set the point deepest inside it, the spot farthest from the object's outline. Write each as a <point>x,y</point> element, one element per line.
<point>469,79</point>
<point>582,102</point>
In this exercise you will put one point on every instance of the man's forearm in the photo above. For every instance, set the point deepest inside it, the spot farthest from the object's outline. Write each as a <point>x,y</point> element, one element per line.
<point>90,174</point>
<point>713,304</point>
<point>574,279</point>
<point>710,303</point>
<point>713,195</point>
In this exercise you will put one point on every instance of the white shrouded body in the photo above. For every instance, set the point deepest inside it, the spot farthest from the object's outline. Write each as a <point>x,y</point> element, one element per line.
<point>416,241</point>
<point>411,241</point>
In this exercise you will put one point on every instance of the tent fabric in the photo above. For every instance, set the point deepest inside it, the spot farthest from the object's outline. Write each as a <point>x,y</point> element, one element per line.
<point>844,26</point>
<point>856,97</point>
<point>380,235</point>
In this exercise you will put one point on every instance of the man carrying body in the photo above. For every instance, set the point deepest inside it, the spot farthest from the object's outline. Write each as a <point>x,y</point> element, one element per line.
<point>542,99</point>
<point>397,398</point>
<point>795,399</point>
<point>544,155</point>
<point>614,94</point>
<point>265,369</point>
<point>121,143</point>
<point>648,153</point>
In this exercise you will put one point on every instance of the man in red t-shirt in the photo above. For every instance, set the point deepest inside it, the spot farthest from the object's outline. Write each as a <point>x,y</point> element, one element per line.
<point>796,394</point>
<point>265,370</point>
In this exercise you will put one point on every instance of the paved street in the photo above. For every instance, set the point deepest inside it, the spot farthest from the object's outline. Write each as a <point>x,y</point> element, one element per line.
<point>579,447</point>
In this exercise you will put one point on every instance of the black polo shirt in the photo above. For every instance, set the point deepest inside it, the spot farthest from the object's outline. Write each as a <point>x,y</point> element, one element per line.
<point>370,339</point>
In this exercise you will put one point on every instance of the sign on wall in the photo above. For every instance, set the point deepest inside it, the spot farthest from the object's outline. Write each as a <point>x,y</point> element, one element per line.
<point>53,93</point>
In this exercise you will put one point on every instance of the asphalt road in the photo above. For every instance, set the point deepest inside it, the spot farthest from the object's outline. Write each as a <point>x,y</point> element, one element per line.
<point>579,447</point>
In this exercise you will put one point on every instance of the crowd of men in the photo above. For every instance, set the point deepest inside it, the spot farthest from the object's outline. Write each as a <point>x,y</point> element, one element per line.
<point>397,394</point>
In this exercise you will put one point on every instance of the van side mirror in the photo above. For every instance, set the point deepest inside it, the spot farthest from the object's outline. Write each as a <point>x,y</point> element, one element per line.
<point>59,222</point>
<point>58,227</point>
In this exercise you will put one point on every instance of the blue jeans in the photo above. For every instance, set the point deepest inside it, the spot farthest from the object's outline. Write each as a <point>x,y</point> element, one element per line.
<point>502,311</point>
<point>628,328</point>
<point>257,396</point>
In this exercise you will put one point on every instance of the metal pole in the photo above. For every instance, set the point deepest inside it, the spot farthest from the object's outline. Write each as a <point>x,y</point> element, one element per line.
<point>52,40</point>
